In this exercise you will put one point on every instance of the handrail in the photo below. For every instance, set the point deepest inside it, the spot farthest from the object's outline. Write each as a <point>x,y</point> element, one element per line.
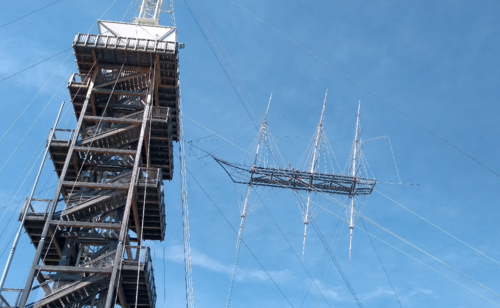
<point>126,43</point>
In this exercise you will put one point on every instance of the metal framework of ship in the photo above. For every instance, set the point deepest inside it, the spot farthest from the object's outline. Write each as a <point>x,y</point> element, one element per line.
<point>111,169</point>
<point>298,180</point>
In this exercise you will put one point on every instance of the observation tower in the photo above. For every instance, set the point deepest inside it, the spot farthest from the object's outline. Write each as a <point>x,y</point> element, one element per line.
<point>111,168</point>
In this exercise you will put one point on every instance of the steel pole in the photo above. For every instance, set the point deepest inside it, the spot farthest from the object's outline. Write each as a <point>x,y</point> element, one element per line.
<point>18,235</point>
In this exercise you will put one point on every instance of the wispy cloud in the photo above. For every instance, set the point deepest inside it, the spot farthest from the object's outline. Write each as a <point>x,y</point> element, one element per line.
<point>415,292</point>
<point>338,294</point>
<point>176,254</point>
<point>380,292</point>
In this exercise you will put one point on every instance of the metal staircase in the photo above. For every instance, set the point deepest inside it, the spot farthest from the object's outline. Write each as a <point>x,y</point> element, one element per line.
<point>111,167</point>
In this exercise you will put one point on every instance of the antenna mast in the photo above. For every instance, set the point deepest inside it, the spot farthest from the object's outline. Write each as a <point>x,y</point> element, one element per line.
<point>354,173</point>
<point>319,132</point>
<point>149,12</point>
<point>244,212</point>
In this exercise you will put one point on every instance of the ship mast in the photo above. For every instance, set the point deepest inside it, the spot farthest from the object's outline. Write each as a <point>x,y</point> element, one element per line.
<point>354,173</point>
<point>244,212</point>
<point>312,164</point>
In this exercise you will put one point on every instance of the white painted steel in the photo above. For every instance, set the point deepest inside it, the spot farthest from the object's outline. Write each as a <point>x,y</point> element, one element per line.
<point>18,235</point>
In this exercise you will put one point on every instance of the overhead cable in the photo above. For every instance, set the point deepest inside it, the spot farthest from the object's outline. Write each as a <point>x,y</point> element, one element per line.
<point>37,118</point>
<point>25,69</point>
<point>242,241</point>
<point>429,267</point>
<point>222,66</point>
<point>382,264</point>
<point>36,96</point>
<point>372,93</point>
<point>437,227</point>
<point>293,250</point>
<point>32,12</point>
<point>375,224</point>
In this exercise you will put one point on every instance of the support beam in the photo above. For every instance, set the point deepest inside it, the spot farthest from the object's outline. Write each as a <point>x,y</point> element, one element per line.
<point>38,253</point>
<point>87,225</point>
<point>114,120</point>
<point>119,92</point>
<point>126,216</point>
<point>74,269</point>
<point>105,151</point>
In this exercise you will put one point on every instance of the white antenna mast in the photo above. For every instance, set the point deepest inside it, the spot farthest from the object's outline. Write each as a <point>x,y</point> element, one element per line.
<point>312,164</point>
<point>244,212</point>
<point>354,158</point>
<point>149,12</point>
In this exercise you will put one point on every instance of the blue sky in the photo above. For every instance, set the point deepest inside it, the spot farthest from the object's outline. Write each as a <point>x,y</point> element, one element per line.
<point>436,61</point>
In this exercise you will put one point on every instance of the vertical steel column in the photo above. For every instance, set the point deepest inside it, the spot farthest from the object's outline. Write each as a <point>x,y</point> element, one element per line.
<point>38,253</point>
<point>18,235</point>
<point>128,206</point>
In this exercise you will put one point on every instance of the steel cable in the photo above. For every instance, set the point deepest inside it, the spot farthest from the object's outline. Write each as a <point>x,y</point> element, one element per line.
<point>371,92</point>
<point>371,221</point>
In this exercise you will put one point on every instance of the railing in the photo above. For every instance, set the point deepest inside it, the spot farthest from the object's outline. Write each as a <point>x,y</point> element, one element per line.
<point>161,113</point>
<point>154,176</point>
<point>63,135</point>
<point>79,80</point>
<point>105,261</point>
<point>82,196</point>
<point>150,176</point>
<point>111,76</point>
<point>7,299</point>
<point>143,256</point>
<point>127,43</point>
<point>100,129</point>
<point>37,207</point>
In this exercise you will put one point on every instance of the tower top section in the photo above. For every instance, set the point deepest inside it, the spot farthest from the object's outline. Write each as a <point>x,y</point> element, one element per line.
<point>146,26</point>
<point>149,12</point>
<point>138,31</point>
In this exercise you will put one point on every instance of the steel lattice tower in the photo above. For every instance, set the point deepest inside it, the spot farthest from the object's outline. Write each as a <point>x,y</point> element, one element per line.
<point>111,169</point>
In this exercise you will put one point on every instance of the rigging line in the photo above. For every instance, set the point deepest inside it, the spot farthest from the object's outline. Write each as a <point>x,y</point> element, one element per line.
<point>98,124</point>
<point>379,226</point>
<point>336,263</point>
<point>36,195</point>
<point>36,96</point>
<point>372,93</point>
<point>382,264</point>
<point>322,258</point>
<point>83,163</point>
<point>437,227</point>
<point>188,269</point>
<point>431,268</point>
<point>330,263</point>
<point>27,189</point>
<point>123,17</point>
<point>21,175</point>
<point>143,214</point>
<point>225,52</point>
<point>401,239</point>
<point>220,132</point>
<point>295,253</point>
<point>391,233</point>
<point>45,60</point>
<point>413,246</point>
<point>223,69</point>
<point>142,229</point>
<point>164,279</point>
<point>394,158</point>
<point>26,15</point>
<point>57,226</point>
<point>332,256</point>
<point>236,232</point>
<point>100,18</point>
